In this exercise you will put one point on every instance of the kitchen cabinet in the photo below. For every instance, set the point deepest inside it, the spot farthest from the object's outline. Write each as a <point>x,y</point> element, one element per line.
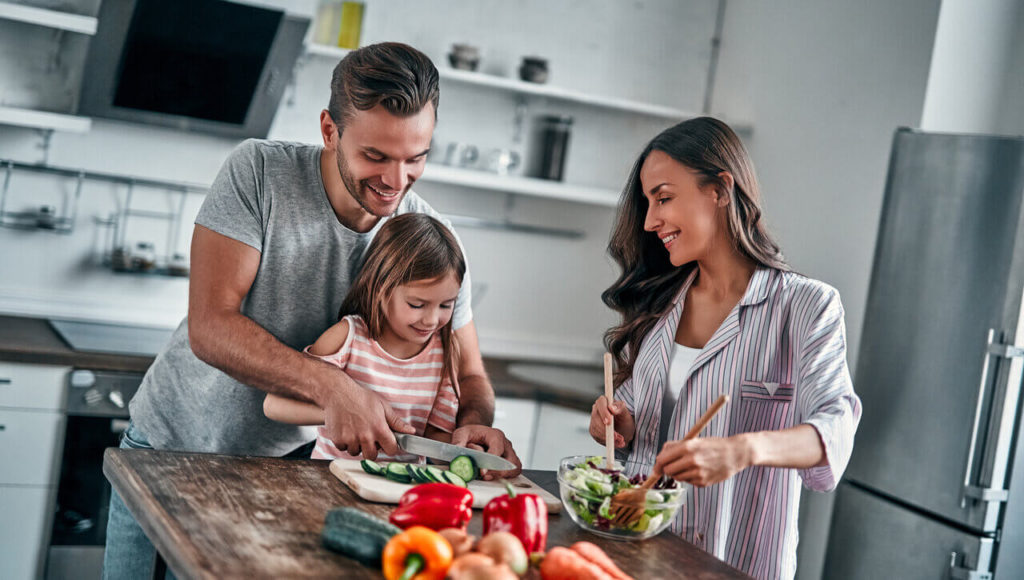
<point>561,432</point>
<point>31,433</point>
<point>44,19</point>
<point>24,530</point>
<point>518,419</point>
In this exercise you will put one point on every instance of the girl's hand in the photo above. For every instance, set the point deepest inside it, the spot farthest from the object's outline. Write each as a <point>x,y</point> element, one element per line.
<point>704,462</point>
<point>602,413</point>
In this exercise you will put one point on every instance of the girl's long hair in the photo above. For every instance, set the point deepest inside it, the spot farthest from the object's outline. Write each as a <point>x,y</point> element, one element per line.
<point>407,248</point>
<point>649,282</point>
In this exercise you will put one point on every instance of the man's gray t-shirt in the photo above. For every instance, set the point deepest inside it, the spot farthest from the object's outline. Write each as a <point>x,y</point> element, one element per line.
<point>268,195</point>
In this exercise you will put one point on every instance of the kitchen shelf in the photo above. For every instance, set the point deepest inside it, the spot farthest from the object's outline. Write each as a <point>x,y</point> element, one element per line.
<point>525,88</point>
<point>44,120</point>
<point>48,18</point>
<point>522,185</point>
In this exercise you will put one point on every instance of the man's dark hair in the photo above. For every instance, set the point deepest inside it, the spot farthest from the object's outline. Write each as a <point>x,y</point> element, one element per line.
<point>392,74</point>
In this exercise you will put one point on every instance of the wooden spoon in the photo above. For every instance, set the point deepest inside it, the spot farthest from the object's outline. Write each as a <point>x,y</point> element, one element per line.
<point>628,505</point>
<point>609,429</point>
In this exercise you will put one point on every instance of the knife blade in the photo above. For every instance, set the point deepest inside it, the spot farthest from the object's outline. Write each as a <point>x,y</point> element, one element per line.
<point>446,452</point>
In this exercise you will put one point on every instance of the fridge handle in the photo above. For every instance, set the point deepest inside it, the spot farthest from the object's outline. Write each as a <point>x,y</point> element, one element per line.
<point>972,448</point>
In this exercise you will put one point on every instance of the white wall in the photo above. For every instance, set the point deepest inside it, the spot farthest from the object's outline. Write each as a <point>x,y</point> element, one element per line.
<point>542,296</point>
<point>825,84</point>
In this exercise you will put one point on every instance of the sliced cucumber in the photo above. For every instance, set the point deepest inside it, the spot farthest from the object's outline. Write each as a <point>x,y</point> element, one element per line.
<point>418,474</point>
<point>454,479</point>
<point>372,467</point>
<point>436,475</point>
<point>464,467</point>
<point>398,472</point>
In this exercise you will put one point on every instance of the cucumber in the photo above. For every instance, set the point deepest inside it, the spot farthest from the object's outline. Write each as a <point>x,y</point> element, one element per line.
<point>372,467</point>
<point>357,534</point>
<point>418,474</point>
<point>453,478</point>
<point>464,467</point>
<point>399,472</point>
<point>436,475</point>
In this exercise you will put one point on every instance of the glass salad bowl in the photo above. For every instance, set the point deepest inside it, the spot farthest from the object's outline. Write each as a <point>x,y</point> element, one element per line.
<point>587,487</point>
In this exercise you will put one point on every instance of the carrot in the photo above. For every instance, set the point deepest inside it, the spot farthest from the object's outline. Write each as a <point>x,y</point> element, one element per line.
<point>596,555</point>
<point>564,564</point>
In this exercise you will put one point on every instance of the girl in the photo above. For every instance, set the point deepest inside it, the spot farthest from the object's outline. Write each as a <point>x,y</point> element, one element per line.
<point>709,307</point>
<point>395,334</point>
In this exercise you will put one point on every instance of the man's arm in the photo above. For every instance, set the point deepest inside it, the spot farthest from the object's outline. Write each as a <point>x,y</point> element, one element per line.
<point>476,396</point>
<point>476,406</point>
<point>222,272</point>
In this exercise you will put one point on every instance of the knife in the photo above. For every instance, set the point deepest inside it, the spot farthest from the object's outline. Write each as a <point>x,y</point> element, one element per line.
<point>446,452</point>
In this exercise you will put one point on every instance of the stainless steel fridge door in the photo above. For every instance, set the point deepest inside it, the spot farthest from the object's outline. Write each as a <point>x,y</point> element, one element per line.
<point>872,538</point>
<point>945,273</point>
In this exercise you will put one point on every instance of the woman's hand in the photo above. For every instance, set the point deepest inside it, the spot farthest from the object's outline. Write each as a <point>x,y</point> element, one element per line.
<point>601,414</point>
<point>704,462</point>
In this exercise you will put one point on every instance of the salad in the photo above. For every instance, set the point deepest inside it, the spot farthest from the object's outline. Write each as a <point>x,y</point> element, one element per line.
<point>590,488</point>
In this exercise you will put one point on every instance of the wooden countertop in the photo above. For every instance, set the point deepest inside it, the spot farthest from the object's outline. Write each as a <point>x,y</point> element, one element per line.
<point>33,341</point>
<point>217,516</point>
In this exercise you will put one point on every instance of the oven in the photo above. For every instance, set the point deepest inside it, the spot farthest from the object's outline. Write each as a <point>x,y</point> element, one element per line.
<point>97,414</point>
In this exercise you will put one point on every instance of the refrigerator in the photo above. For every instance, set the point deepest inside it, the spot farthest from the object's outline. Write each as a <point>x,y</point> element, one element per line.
<point>935,485</point>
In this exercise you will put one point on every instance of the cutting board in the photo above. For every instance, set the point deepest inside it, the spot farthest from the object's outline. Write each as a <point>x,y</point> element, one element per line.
<point>382,490</point>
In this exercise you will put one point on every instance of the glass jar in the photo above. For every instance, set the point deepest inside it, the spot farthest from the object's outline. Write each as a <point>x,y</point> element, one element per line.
<point>555,131</point>
<point>144,257</point>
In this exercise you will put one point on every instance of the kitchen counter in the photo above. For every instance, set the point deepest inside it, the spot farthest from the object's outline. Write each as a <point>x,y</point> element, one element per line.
<point>33,341</point>
<point>217,516</point>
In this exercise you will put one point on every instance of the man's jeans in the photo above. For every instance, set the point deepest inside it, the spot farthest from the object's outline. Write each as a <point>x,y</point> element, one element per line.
<point>129,554</point>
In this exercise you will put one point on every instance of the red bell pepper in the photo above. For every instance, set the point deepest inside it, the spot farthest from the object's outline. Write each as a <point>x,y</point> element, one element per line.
<point>524,515</point>
<point>434,505</point>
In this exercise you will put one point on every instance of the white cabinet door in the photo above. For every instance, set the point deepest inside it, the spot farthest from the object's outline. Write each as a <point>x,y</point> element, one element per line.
<point>23,531</point>
<point>518,419</point>
<point>29,443</point>
<point>562,432</point>
<point>32,386</point>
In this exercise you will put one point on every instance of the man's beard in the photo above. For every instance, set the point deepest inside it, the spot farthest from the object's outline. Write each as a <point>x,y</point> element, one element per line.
<point>358,190</point>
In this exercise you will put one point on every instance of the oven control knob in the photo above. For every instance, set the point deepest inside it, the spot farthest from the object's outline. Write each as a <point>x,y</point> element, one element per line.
<point>83,379</point>
<point>93,397</point>
<point>116,398</point>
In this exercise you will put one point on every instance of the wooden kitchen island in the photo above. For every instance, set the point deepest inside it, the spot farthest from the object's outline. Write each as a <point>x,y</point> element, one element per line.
<point>218,516</point>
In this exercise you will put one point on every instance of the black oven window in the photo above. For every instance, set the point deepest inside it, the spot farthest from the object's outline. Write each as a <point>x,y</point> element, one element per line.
<point>83,493</point>
<point>198,58</point>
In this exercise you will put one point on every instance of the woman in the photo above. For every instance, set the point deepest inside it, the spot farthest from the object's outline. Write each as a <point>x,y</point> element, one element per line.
<point>709,307</point>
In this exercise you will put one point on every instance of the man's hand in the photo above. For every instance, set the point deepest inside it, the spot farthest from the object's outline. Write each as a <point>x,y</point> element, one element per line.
<point>492,441</point>
<point>357,421</point>
<point>602,413</point>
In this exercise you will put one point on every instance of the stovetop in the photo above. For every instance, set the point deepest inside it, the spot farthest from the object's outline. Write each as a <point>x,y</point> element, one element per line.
<point>112,338</point>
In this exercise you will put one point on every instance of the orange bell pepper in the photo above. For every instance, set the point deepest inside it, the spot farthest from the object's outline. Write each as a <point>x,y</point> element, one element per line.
<point>418,553</point>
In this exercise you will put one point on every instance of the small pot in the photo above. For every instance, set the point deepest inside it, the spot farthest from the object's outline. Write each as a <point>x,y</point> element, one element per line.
<point>464,57</point>
<point>534,69</point>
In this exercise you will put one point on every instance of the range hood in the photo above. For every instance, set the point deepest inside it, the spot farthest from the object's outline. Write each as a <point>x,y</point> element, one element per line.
<point>211,66</point>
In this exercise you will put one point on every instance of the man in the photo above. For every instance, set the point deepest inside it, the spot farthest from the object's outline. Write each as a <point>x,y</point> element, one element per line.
<point>276,245</point>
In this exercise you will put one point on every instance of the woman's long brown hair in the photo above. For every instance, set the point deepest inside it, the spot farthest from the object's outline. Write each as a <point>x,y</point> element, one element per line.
<point>407,248</point>
<point>649,282</point>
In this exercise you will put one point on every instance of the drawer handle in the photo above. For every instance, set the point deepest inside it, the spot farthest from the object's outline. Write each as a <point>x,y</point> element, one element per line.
<point>4,381</point>
<point>2,427</point>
